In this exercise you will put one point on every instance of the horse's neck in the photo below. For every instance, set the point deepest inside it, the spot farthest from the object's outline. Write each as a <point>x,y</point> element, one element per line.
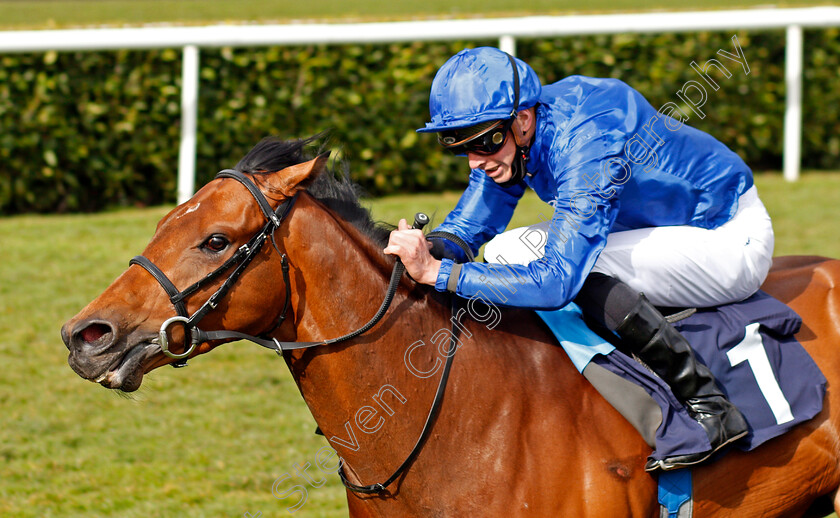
<point>510,383</point>
<point>339,279</point>
<point>338,275</point>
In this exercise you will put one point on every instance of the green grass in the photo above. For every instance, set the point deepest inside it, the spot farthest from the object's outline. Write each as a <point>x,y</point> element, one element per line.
<point>211,439</point>
<point>805,213</point>
<point>63,13</point>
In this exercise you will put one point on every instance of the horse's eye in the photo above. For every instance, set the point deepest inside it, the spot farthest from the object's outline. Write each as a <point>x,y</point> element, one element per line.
<point>216,243</point>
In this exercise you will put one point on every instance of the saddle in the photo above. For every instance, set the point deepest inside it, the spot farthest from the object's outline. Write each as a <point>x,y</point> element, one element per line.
<point>750,348</point>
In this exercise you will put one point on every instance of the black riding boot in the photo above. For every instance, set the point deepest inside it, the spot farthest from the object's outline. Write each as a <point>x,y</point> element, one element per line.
<point>644,332</point>
<point>657,343</point>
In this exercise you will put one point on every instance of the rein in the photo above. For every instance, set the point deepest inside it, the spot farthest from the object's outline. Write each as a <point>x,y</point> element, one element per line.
<point>193,335</point>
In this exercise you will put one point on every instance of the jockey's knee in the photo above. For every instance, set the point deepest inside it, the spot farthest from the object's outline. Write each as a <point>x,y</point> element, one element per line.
<point>740,283</point>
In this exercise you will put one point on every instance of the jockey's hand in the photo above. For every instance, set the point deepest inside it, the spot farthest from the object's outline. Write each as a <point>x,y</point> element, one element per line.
<point>413,248</point>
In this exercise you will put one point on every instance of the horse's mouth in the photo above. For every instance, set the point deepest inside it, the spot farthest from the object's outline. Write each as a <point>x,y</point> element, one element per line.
<point>126,373</point>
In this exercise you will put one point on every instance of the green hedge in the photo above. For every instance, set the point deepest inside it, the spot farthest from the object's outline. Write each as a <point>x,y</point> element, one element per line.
<point>85,131</point>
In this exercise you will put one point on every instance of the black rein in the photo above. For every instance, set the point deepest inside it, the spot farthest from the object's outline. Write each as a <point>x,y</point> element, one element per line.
<point>241,258</point>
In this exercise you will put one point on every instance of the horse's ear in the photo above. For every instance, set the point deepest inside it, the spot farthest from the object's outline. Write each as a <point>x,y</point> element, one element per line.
<point>295,178</point>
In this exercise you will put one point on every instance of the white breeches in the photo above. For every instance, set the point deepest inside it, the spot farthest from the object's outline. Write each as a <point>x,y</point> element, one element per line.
<point>676,266</point>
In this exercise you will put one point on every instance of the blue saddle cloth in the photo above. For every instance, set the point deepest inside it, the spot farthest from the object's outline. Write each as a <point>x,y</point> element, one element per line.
<point>749,347</point>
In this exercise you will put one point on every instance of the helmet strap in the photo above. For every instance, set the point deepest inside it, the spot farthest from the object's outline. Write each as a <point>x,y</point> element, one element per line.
<point>518,168</point>
<point>520,160</point>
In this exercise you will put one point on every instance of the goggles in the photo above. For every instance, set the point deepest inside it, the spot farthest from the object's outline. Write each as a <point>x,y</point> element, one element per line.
<point>482,139</point>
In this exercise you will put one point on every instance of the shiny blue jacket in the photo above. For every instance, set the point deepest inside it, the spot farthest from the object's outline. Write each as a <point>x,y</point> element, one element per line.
<point>607,161</point>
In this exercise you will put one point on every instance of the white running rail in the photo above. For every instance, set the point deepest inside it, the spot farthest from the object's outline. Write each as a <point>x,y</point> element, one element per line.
<point>191,39</point>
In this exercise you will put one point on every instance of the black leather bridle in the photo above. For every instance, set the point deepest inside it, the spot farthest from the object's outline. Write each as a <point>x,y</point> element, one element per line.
<point>241,259</point>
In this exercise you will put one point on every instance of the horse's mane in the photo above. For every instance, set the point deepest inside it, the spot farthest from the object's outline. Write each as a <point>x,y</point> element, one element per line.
<point>332,188</point>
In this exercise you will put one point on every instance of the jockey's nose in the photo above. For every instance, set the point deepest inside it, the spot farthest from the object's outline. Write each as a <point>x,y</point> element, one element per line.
<point>89,337</point>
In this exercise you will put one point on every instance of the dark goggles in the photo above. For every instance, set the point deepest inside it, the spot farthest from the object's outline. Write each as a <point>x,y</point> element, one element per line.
<point>482,139</point>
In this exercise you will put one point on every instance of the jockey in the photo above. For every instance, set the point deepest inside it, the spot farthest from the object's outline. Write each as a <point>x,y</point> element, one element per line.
<point>647,212</point>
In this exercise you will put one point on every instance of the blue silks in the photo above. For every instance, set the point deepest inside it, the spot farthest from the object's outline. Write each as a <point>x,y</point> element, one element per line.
<point>607,161</point>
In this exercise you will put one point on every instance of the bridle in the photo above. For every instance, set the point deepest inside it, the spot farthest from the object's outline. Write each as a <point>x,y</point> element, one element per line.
<point>193,335</point>
<point>241,259</point>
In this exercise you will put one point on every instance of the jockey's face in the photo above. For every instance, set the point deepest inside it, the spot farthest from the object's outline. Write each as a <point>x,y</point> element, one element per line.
<point>498,165</point>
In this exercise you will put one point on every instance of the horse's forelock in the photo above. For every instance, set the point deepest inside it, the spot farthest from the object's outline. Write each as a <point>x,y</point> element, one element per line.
<point>332,188</point>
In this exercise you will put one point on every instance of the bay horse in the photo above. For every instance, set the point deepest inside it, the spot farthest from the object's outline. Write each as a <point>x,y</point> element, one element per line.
<point>519,432</point>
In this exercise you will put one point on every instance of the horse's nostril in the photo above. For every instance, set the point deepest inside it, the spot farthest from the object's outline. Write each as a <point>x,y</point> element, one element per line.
<point>93,333</point>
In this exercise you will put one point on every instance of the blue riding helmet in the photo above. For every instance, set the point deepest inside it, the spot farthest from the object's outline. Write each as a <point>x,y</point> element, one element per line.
<point>476,85</point>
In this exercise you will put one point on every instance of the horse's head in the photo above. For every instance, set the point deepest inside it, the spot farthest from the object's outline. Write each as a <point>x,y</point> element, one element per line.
<point>115,340</point>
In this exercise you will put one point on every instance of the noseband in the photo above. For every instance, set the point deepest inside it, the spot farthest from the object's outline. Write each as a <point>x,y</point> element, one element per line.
<point>241,258</point>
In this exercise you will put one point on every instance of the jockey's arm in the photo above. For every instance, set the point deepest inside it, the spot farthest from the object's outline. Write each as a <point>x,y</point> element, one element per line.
<point>579,163</point>
<point>482,212</point>
<point>583,182</point>
<point>577,235</point>
<point>572,246</point>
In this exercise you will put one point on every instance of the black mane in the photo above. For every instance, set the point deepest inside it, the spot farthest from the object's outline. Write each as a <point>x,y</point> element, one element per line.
<point>335,190</point>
